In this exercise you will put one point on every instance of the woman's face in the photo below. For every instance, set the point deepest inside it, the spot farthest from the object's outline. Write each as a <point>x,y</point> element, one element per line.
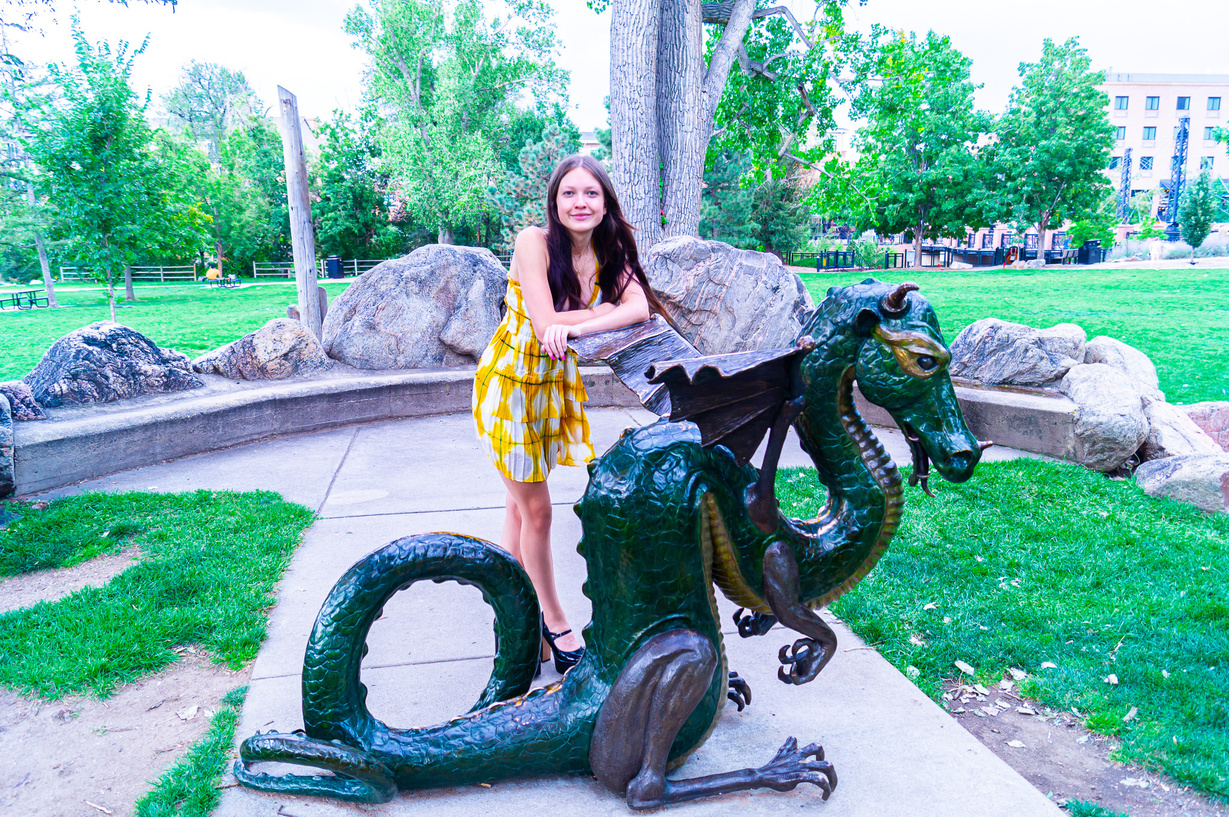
<point>580,201</point>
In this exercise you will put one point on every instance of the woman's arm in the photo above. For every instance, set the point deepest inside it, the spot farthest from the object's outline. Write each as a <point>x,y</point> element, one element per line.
<point>632,308</point>
<point>529,263</point>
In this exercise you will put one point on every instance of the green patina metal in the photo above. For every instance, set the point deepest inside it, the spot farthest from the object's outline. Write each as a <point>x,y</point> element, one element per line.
<point>665,519</point>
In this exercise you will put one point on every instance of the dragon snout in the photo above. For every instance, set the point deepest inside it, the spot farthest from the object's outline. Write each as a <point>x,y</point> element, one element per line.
<point>959,466</point>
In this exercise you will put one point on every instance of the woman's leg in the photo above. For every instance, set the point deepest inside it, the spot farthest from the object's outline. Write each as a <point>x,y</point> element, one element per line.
<point>532,503</point>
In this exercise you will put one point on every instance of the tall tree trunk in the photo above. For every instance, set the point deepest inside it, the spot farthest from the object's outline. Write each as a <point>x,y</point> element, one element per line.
<point>444,235</point>
<point>111,294</point>
<point>129,295</point>
<point>680,115</point>
<point>634,31</point>
<point>917,245</point>
<point>43,263</point>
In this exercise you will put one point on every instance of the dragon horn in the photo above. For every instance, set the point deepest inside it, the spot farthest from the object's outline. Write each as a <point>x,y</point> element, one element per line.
<point>895,304</point>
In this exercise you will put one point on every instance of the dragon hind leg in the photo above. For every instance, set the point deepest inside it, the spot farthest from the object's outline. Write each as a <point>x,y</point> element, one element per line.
<point>357,776</point>
<point>648,705</point>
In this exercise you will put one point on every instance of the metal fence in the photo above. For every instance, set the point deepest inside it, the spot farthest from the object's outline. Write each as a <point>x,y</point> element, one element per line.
<point>827,259</point>
<point>349,267</point>
<point>142,274</point>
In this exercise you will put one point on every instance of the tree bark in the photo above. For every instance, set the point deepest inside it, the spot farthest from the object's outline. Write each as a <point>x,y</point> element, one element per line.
<point>43,263</point>
<point>634,33</point>
<point>129,295</point>
<point>681,114</point>
<point>303,239</point>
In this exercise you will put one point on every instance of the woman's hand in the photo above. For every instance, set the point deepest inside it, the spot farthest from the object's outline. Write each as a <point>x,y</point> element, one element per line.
<point>555,340</point>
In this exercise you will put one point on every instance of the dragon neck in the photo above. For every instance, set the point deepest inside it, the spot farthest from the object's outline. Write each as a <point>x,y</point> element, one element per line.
<point>865,495</point>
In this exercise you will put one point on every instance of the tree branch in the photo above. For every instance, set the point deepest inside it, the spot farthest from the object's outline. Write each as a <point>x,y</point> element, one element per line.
<point>816,166</point>
<point>720,14</point>
<point>737,22</point>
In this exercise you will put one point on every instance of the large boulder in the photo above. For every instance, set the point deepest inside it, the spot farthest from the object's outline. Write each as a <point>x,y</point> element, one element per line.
<point>281,348</point>
<point>725,299</point>
<point>437,306</point>
<point>1000,353</point>
<point>1172,433</point>
<point>1211,417</point>
<point>104,362</point>
<point>1131,361</point>
<point>1202,481</point>
<point>1110,424</point>
<point>8,477</point>
<point>21,401</point>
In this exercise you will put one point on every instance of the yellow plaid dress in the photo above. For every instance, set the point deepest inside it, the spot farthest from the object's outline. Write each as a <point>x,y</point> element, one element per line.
<point>529,408</point>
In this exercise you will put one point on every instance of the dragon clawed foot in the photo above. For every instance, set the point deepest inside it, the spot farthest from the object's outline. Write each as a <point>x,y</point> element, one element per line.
<point>804,659</point>
<point>739,691</point>
<point>791,766</point>
<point>753,623</point>
<point>357,776</point>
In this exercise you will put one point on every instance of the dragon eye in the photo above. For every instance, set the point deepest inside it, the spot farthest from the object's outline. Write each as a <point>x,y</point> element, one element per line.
<point>927,363</point>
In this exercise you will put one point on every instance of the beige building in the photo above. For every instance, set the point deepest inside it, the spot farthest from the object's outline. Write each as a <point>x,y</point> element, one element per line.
<point>1146,109</point>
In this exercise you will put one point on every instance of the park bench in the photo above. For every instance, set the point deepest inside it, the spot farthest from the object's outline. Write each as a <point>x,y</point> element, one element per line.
<point>25,299</point>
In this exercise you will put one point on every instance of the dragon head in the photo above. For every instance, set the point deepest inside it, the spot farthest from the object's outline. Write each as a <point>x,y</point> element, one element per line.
<point>900,364</point>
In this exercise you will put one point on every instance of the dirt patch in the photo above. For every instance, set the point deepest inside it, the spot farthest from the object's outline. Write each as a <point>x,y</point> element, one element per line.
<point>78,756</point>
<point>28,589</point>
<point>1054,752</point>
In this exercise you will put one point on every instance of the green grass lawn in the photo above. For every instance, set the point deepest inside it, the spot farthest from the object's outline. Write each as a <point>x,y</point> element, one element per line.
<point>1178,317</point>
<point>190,318</point>
<point>1033,563</point>
<point>206,576</point>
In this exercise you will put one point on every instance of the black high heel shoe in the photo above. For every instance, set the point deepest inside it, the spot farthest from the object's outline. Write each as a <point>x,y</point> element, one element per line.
<point>564,659</point>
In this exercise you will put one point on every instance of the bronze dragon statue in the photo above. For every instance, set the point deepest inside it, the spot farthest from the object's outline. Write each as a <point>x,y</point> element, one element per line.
<point>671,510</point>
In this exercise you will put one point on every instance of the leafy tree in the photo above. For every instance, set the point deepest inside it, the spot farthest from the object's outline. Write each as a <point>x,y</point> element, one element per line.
<point>519,201</point>
<point>101,171</point>
<point>769,215</point>
<point>353,218</point>
<point>1096,225</point>
<point>23,219</point>
<point>1197,212</point>
<point>525,128</point>
<point>667,87</point>
<point>209,102</point>
<point>1055,139</point>
<point>447,82</point>
<point>920,171</point>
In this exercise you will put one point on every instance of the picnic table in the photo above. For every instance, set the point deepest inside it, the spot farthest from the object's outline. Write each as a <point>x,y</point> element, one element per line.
<point>23,299</point>
<point>225,282</point>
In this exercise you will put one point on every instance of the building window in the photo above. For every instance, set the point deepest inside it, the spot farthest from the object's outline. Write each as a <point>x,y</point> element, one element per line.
<point>1205,162</point>
<point>1150,133</point>
<point>1121,132</point>
<point>1184,103</point>
<point>1145,162</point>
<point>1207,134</point>
<point>1120,103</point>
<point>1152,103</point>
<point>987,240</point>
<point>1213,103</point>
<point>1114,162</point>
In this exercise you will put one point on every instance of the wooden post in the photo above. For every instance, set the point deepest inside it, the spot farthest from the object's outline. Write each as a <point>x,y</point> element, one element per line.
<point>302,237</point>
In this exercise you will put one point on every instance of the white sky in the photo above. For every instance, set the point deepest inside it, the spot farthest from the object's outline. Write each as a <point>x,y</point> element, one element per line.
<point>300,43</point>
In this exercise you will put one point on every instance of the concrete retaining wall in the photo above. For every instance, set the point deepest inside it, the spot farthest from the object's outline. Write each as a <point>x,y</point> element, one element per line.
<point>106,439</point>
<point>102,440</point>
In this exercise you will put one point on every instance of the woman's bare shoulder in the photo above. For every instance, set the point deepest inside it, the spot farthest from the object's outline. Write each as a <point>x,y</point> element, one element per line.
<point>531,238</point>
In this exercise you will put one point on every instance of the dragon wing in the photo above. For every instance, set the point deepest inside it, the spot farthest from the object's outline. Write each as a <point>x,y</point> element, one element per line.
<point>733,398</point>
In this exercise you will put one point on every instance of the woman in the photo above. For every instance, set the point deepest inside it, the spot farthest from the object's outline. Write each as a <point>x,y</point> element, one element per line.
<point>579,275</point>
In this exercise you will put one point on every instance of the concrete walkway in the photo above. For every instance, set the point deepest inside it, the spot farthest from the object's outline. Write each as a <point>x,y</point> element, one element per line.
<point>896,752</point>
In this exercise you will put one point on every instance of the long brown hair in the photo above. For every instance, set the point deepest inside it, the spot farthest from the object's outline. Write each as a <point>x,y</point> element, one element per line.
<point>614,247</point>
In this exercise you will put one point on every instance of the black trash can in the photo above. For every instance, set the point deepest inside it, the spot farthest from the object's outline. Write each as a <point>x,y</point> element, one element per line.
<point>332,267</point>
<point>1089,252</point>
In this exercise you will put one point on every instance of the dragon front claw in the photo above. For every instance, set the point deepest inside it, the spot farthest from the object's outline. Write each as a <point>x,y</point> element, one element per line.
<point>753,623</point>
<point>804,659</point>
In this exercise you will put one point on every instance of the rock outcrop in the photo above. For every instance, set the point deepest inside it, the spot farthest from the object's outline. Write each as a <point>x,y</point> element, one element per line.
<point>1130,361</point>
<point>281,348</point>
<point>8,478</point>
<point>999,353</point>
<point>1212,418</point>
<point>1171,433</point>
<point>21,401</point>
<point>725,299</point>
<point>1202,481</point>
<point>1110,424</point>
<point>104,362</point>
<point>437,306</point>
